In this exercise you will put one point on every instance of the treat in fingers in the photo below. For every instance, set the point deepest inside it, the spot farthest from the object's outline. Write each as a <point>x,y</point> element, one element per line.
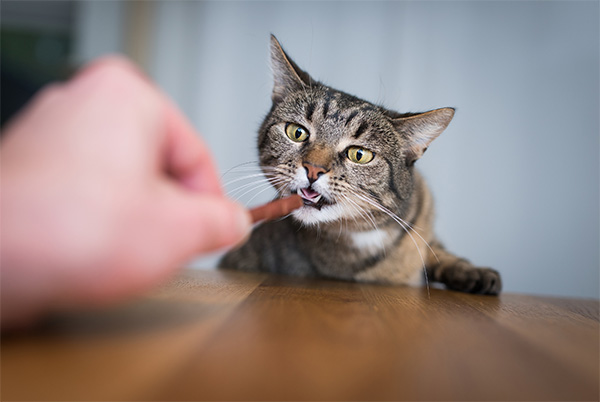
<point>276,209</point>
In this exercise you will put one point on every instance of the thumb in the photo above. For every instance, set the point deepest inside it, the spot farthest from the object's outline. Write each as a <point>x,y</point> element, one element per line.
<point>206,223</point>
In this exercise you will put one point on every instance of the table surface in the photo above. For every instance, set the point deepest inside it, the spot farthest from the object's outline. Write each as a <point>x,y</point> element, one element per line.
<point>224,335</point>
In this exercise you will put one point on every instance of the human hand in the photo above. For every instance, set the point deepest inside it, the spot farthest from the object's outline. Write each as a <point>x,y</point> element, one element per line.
<point>106,190</point>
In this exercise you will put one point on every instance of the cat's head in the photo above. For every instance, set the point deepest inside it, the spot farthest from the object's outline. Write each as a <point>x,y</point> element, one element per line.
<point>343,155</point>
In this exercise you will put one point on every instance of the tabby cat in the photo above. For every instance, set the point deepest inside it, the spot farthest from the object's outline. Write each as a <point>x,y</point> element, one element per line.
<point>367,213</point>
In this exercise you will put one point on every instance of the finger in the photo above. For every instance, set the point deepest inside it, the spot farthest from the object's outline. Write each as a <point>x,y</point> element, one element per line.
<point>112,62</point>
<point>182,154</point>
<point>202,224</point>
<point>187,159</point>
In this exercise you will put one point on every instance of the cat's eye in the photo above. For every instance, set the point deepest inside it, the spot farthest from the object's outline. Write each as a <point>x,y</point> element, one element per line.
<point>296,132</point>
<point>360,155</point>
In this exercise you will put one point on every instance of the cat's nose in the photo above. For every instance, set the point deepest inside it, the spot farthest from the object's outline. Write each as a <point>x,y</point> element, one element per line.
<point>313,172</point>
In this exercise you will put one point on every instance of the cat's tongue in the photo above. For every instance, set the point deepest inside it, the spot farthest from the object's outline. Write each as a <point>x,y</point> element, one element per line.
<point>310,195</point>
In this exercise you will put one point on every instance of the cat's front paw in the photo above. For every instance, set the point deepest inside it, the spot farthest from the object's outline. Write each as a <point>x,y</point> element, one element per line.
<point>477,280</point>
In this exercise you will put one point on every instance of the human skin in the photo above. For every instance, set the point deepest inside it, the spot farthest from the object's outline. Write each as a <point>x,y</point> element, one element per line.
<point>106,190</point>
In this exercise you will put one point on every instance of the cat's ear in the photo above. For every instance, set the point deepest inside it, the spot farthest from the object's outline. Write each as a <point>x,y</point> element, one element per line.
<point>419,130</point>
<point>286,74</point>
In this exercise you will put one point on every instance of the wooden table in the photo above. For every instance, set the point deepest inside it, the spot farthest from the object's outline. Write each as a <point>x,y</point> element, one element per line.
<point>219,335</point>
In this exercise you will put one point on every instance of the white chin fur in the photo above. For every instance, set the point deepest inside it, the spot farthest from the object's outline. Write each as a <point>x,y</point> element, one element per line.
<point>311,216</point>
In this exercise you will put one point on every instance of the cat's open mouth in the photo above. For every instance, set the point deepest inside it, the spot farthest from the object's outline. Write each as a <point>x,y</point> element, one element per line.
<point>311,198</point>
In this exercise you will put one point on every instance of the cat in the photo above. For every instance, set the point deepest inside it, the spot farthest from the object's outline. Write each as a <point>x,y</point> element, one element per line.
<point>367,213</point>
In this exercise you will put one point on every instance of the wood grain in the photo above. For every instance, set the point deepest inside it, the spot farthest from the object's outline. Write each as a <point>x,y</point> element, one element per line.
<point>219,335</point>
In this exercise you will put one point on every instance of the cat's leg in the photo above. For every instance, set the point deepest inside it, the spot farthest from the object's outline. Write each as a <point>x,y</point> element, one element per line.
<point>243,258</point>
<point>459,274</point>
<point>272,247</point>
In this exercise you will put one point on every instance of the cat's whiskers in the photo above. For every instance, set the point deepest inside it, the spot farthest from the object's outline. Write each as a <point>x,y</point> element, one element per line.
<point>344,219</point>
<point>254,182</point>
<point>249,169</point>
<point>365,213</point>
<point>246,172</point>
<point>392,215</point>
<point>407,224</point>
<point>270,172</point>
<point>267,174</point>
<point>266,183</point>
<point>400,221</point>
<point>257,169</point>
<point>279,192</point>
<point>340,231</point>
<point>241,165</point>
<point>246,177</point>
<point>359,210</point>
<point>263,178</point>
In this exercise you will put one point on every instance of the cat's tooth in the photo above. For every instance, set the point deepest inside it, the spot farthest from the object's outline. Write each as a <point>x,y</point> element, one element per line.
<point>315,200</point>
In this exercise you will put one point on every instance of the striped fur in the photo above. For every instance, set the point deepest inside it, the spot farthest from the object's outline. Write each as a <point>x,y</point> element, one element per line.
<point>383,201</point>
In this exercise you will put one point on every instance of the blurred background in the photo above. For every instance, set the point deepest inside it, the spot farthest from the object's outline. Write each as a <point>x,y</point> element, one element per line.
<point>515,176</point>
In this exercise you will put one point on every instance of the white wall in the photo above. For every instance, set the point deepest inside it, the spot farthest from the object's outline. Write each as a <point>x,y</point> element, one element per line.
<point>516,175</point>
<point>99,29</point>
